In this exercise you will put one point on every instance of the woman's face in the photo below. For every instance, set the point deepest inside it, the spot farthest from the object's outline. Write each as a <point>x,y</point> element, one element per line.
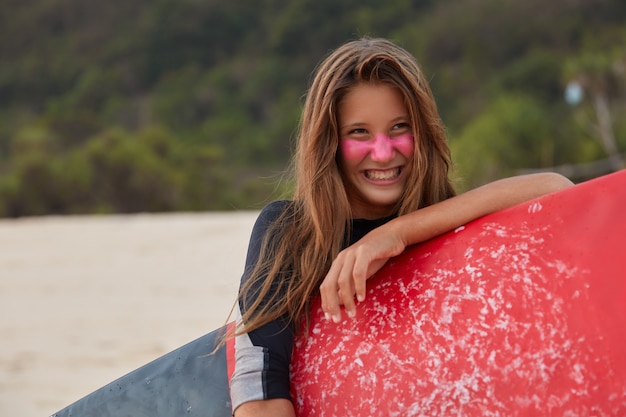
<point>375,148</point>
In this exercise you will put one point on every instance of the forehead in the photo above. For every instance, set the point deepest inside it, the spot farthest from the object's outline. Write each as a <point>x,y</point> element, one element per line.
<point>371,103</point>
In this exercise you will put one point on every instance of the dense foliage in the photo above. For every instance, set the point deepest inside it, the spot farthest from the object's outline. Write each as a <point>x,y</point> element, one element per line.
<point>162,105</point>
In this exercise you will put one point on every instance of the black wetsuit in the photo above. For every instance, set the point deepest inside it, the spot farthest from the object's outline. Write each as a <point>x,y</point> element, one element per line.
<point>263,355</point>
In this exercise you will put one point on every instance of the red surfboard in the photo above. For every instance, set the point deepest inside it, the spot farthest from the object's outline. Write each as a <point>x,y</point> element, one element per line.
<point>519,313</point>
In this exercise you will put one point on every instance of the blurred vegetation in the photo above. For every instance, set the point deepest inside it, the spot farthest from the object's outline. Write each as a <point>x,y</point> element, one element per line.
<point>169,105</point>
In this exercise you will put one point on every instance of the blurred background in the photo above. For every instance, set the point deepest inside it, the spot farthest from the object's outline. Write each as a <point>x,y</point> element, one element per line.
<point>170,106</point>
<point>130,106</point>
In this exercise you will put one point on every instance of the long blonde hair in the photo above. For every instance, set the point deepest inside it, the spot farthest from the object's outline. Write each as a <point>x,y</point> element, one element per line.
<point>300,247</point>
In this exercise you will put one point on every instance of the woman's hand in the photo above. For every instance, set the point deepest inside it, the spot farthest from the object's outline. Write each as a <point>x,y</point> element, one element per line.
<point>353,266</point>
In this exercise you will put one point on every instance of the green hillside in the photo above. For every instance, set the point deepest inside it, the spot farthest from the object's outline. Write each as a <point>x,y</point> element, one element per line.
<point>163,105</point>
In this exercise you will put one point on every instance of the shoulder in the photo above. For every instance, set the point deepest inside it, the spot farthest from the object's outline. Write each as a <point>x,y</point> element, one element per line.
<point>273,210</point>
<point>270,214</point>
<point>266,226</point>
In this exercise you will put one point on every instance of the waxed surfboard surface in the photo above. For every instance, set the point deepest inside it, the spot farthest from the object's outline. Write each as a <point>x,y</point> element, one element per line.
<point>520,313</point>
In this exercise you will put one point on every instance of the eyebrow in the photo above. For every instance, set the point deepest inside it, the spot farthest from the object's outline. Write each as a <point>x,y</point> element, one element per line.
<point>357,124</point>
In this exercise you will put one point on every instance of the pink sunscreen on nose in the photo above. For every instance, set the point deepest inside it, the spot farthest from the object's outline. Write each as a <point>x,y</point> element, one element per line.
<point>380,147</point>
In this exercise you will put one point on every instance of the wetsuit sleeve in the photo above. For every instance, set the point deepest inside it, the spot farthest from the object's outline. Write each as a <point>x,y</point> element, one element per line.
<point>262,356</point>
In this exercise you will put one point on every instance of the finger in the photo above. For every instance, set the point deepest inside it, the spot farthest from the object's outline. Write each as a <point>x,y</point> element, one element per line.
<point>330,303</point>
<point>362,272</point>
<point>329,293</point>
<point>359,277</point>
<point>346,284</point>
<point>346,287</point>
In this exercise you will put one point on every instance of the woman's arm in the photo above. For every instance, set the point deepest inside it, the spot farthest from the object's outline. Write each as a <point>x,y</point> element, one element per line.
<point>266,408</point>
<point>354,265</point>
<point>263,354</point>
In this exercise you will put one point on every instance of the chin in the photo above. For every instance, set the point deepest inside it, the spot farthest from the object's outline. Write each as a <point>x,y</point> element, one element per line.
<point>383,203</point>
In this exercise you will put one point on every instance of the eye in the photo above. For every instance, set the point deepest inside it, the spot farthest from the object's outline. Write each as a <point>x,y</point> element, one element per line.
<point>400,128</point>
<point>358,133</point>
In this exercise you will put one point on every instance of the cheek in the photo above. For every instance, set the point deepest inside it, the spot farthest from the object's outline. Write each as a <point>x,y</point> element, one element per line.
<point>405,145</point>
<point>355,149</point>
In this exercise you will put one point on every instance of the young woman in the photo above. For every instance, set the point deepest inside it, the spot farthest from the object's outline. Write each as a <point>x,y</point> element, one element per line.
<point>371,173</point>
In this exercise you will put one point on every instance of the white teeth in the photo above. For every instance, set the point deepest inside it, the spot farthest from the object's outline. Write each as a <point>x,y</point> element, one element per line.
<point>383,175</point>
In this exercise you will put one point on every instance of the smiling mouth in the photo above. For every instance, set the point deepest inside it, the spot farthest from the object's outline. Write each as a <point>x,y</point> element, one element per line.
<point>383,175</point>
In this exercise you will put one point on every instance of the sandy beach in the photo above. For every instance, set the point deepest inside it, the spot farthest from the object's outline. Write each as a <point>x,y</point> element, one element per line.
<point>86,299</point>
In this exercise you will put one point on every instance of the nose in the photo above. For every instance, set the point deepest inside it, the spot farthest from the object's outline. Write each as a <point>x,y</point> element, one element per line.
<point>382,148</point>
